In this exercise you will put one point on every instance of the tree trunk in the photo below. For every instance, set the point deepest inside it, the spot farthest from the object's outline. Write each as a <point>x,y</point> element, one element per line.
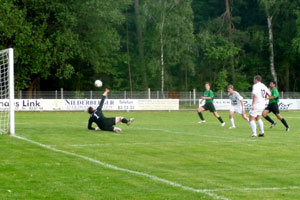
<point>287,78</point>
<point>162,63</point>
<point>186,78</point>
<point>228,14</point>
<point>271,47</point>
<point>34,85</point>
<point>230,30</point>
<point>140,43</point>
<point>128,57</point>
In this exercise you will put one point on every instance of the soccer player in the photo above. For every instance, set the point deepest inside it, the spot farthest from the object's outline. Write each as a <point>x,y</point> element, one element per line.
<point>237,105</point>
<point>208,97</point>
<point>105,124</point>
<point>273,107</point>
<point>259,92</point>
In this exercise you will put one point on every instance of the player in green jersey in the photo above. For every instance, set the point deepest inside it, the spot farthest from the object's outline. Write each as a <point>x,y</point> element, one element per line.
<point>208,97</point>
<point>273,107</point>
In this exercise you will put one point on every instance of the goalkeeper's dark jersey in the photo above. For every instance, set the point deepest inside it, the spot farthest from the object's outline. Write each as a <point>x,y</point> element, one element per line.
<point>98,118</point>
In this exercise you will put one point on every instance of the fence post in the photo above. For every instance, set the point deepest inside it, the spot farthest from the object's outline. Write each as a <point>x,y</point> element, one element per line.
<point>281,94</point>
<point>190,98</point>
<point>55,94</point>
<point>149,93</point>
<point>157,94</point>
<point>61,93</point>
<point>20,94</point>
<point>194,94</point>
<point>125,94</point>
<point>221,94</point>
<point>91,94</point>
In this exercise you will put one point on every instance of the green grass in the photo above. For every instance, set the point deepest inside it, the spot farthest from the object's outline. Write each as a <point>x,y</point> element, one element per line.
<point>169,145</point>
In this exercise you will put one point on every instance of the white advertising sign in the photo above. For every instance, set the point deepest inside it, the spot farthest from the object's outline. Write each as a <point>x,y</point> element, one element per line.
<point>83,104</point>
<point>284,104</point>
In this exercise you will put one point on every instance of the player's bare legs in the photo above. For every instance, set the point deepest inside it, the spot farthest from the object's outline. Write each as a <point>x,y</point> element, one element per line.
<point>200,110</point>
<point>117,130</point>
<point>265,113</point>
<point>123,120</point>
<point>245,116</point>
<point>268,118</point>
<point>216,115</point>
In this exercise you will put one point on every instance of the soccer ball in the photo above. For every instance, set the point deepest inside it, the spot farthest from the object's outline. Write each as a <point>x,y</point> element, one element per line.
<point>98,83</point>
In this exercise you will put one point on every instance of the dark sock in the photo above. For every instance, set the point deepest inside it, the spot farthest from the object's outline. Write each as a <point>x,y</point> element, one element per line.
<point>221,120</point>
<point>269,119</point>
<point>125,121</point>
<point>201,116</point>
<point>284,123</point>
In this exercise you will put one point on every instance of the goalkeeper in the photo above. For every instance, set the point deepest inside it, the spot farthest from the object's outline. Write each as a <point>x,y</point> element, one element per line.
<point>105,124</point>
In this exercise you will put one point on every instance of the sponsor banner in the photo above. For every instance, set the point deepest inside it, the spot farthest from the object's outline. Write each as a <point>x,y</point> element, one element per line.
<point>284,104</point>
<point>158,104</point>
<point>83,104</point>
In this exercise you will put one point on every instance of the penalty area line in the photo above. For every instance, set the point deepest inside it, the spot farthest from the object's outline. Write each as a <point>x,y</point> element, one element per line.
<point>106,165</point>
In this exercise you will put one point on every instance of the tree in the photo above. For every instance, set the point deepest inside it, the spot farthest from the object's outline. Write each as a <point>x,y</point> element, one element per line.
<point>271,8</point>
<point>171,21</point>
<point>140,43</point>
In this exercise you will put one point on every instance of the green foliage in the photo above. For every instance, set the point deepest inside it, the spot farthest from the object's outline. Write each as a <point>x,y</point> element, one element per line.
<point>69,44</point>
<point>242,83</point>
<point>222,81</point>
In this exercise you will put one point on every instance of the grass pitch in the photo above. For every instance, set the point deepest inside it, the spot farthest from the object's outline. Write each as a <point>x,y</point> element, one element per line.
<point>210,160</point>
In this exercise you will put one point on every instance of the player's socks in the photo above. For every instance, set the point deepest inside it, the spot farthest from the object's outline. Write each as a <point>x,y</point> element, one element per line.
<point>284,123</point>
<point>130,121</point>
<point>125,121</point>
<point>232,123</point>
<point>253,127</point>
<point>269,119</point>
<point>260,124</point>
<point>221,120</point>
<point>201,116</point>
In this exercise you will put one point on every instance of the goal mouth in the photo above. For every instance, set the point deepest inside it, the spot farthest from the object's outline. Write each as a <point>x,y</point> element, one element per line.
<point>7,117</point>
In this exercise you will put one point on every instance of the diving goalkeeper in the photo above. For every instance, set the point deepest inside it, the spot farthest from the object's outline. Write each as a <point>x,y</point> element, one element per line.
<point>105,124</point>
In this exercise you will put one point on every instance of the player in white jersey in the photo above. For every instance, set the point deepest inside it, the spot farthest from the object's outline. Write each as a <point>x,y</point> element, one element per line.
<point>237,105</point>
<point>259,92</point>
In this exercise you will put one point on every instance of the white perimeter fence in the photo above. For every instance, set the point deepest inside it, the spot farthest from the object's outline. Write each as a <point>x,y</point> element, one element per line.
<point>139,100</point>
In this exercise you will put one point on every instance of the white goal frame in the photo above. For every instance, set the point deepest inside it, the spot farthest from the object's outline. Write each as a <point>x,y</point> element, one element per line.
<point>11,88</point>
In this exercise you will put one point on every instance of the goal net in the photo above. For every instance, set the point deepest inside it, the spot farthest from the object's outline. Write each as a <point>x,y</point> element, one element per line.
<point>7,115</point>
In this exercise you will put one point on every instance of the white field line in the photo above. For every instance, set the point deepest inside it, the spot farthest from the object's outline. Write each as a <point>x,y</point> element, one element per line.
<point>146,143</point>
<point>103,164</point>
<point>254,189</point>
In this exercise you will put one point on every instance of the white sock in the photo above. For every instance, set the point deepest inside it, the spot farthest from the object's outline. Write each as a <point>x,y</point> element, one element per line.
<point>253,127</point>
<point>232,122</point>
<point>260,124</point>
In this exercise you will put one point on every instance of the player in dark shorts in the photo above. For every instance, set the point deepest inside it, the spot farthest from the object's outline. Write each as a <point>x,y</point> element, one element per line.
<point>273,107</point>
<point>105,124</point>
<point>208,97</point>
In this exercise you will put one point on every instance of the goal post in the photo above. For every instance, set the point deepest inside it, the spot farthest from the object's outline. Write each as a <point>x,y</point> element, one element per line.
<point>11,92</point>
<point>7,92</point>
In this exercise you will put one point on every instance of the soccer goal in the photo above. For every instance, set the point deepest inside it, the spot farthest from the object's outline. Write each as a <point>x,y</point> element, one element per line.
<point>7,110</point>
